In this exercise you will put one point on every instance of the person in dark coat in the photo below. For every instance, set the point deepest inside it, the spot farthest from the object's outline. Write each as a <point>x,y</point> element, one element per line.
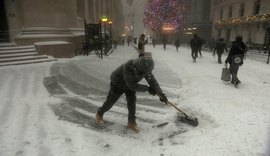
<point>164,41</point>
<point>141,45</point>
<point>195,44</point>
<point>177,44</point>
<point>200,46</point>
<point>154,42</point>
<point>235,58</point>
<point>125,79</point>
<point>219,48</point>
<point>211,44</point>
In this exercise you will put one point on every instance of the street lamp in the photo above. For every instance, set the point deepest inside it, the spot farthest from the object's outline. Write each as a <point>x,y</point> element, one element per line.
<point>103,20</point>
<point>110,22</point>
<point>111,35</point>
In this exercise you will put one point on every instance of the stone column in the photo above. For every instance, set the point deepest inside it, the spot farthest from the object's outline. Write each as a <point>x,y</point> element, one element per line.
<point>92,11</point>
<point>86,11</point>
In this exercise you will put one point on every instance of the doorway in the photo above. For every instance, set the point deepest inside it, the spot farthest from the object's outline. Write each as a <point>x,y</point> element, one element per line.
<point>4,35</point>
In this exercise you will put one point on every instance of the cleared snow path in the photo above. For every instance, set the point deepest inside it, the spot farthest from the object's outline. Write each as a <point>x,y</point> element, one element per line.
<point>48,109</point>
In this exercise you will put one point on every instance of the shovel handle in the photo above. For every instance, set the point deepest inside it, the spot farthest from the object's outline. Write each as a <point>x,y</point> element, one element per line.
<point>174,106</point>
<point>177,108</point>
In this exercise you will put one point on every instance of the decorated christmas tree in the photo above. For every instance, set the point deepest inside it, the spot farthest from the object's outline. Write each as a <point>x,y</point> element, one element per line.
<point>165,15</point>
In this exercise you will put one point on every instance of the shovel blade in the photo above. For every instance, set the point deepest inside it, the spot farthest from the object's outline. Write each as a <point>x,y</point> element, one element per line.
<point>189,120</point>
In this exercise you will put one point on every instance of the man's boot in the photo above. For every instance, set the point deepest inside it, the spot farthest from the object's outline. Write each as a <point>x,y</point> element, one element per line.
<point>99,120</point>
<point>133,126</point>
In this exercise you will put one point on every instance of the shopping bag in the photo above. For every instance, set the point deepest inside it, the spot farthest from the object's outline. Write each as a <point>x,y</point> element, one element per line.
<point>225,75</point>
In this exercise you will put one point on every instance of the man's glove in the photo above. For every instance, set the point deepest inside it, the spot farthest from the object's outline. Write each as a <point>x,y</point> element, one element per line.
<point>152,91</point>
<point>163,98</point>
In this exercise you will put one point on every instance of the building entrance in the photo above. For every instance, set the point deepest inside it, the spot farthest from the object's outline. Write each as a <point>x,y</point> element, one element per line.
<point>4,35</point>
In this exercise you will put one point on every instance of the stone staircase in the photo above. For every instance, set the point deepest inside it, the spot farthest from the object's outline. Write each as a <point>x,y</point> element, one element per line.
<point>11,54</point>
<point>4,36</point>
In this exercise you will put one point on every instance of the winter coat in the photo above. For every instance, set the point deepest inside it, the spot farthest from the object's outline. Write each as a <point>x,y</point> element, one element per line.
<point>220,46</point>
<point>164,40</point>
<point>141,44</point>
<point>177,43</point>
<point>238,48</point>
<point>127,76</point>
<point>195,43</point>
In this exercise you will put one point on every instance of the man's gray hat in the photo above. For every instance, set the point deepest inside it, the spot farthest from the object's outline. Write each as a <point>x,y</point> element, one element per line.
<point>144,65</point>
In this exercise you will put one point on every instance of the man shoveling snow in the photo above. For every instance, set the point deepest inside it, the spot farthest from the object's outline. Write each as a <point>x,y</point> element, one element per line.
<point>125,79</point>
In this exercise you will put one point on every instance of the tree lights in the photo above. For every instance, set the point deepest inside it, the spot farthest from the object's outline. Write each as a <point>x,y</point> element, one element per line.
<point>164,15</point>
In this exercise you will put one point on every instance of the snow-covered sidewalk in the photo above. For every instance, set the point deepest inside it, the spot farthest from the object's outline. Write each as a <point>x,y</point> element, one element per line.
<point>48,109</point>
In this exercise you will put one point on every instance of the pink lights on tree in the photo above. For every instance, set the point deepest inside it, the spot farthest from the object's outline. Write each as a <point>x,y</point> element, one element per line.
<point>165,15</point>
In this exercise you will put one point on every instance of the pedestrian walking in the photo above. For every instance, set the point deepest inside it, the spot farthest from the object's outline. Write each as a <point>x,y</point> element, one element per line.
<point>211,44</point>
<point>164,41</point>
<point>235,58</point>
<point>219,48</point>
<point>123,41</point>
<point>200,46</point>
<point>154,42</point>
<point>195,44</point>
<point>115,42</point>
<point>177,44</point>
<point>141,45</point>
<point>125,79</point>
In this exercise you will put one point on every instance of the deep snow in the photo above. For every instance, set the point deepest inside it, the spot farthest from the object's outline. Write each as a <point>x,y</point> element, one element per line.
<point>38,101</point>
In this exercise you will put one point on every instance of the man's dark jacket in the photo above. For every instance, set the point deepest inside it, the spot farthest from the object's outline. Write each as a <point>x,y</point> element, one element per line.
<point>127,77</point>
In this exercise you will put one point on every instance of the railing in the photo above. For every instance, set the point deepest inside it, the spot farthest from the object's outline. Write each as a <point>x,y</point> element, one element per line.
<point>95,42</point>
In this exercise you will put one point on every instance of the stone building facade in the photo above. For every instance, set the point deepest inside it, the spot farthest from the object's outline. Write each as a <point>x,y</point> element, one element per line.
<point>248,18</point>
<point>198,18</point>
<point>30,21</point>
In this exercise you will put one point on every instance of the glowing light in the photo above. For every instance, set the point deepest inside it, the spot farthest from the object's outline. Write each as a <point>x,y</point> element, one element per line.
<point>104,19</point>
<point>160,12</point>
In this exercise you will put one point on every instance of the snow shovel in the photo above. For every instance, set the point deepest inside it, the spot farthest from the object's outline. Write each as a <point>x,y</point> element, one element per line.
<point>185,119</point>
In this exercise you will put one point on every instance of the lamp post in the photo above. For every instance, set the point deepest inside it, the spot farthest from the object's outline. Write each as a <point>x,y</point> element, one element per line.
<point>110,26</point>
<point>111,35</point>
<point>103,20</point>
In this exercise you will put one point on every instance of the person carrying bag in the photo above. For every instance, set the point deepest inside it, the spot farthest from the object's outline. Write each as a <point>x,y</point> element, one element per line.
<point>235,58</point>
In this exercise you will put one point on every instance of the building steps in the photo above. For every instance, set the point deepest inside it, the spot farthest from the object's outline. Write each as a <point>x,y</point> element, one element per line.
<point>17,55</point>
<point>4,36</point>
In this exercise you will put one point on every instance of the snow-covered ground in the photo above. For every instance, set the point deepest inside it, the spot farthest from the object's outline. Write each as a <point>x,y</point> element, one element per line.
<point>48,109</point>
